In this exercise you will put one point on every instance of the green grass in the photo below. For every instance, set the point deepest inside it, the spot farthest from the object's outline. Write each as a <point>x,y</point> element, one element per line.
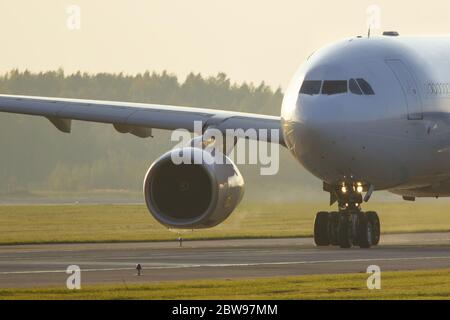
<point>109,223</point>
<point>433,284</point>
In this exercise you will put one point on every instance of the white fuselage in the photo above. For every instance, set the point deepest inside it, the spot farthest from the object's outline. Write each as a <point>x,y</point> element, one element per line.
<point>397,138</point>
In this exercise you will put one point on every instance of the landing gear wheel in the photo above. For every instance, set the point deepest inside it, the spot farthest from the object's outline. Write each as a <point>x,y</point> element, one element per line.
<point>345,235</point>
<point>364,230</point>
<point>375,220</point>
<point>321,229</point>
<point>334,228</point>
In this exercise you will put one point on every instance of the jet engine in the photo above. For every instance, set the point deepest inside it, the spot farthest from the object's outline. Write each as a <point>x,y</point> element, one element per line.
<point>197,192</point>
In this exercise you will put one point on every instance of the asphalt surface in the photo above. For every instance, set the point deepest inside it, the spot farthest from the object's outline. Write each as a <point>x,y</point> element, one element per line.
<point>45,265</point>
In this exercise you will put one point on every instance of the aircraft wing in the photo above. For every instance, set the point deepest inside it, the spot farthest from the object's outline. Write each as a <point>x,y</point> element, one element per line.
<point>136,118</point>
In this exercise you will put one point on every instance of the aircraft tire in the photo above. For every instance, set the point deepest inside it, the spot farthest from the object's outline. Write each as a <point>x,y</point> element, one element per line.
<point>375,220</point>
<point>334,228</point>
<point>321,229</point>
<point>345,230</point>
<point>364,230</point>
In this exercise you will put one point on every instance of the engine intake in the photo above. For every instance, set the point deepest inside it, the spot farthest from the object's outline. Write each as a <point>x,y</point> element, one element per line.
<point>192,195</point>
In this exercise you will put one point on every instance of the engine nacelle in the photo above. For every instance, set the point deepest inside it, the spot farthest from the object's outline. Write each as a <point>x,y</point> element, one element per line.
<point>192,195</point>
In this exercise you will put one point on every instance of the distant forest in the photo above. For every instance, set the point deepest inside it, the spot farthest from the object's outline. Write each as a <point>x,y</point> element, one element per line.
<point>35,156</point>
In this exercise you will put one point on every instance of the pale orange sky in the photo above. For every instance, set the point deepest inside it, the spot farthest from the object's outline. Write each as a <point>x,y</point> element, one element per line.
<point>250,40</point>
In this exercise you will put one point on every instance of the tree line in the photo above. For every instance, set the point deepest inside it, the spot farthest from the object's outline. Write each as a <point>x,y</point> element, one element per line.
<point>94,156</point>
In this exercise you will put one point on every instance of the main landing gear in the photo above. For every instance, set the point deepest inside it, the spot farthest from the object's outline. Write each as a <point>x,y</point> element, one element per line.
<point>350,226</point>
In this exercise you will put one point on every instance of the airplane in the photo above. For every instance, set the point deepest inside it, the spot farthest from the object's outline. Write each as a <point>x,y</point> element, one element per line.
<point>362,114</point>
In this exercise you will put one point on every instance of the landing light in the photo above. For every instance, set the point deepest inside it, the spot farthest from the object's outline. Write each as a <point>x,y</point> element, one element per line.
<point>344,189</point>
<point>359,189</point>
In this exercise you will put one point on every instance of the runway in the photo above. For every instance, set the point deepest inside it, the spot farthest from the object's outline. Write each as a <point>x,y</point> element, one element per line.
<point>45,265</point>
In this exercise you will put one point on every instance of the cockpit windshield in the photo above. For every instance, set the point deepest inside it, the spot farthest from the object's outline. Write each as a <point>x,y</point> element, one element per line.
<point>354,87</point>
<point>334,87</point>
<point>311,87</point>
<point>365,87</point>
<point>357,86</point>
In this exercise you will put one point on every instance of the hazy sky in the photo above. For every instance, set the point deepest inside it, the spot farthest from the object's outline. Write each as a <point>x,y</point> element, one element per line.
<point>250,40</point>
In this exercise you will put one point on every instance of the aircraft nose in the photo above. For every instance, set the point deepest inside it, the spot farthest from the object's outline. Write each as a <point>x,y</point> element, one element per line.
<point>316,111</point>
<point>314,133</point>
<point>310,125</point>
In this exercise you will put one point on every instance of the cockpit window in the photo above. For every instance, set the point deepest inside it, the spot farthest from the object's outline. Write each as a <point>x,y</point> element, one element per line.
<point>365,87</point>
<point>334,87</point>
<point>329,87</point>
<point>311,87</point>
<point>354,87</point>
